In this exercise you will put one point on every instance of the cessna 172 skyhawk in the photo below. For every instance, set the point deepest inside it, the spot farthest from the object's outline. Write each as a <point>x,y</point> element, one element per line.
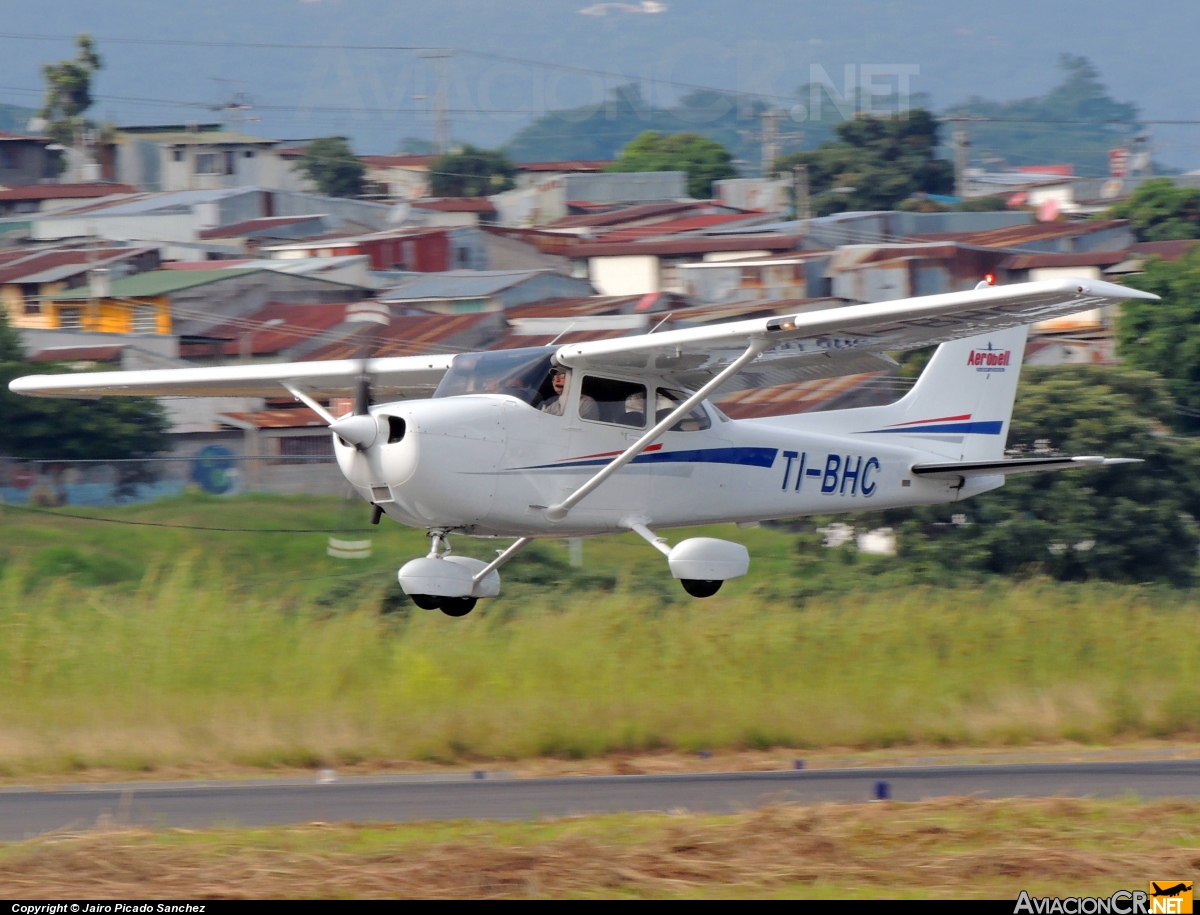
<point>613,435</point>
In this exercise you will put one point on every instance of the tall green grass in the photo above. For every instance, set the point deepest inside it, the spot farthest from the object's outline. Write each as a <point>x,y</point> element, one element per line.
<point>187,668</point>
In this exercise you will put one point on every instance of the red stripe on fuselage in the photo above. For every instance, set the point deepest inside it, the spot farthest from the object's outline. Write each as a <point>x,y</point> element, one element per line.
<point>940,419</point>
<point>608,454</point>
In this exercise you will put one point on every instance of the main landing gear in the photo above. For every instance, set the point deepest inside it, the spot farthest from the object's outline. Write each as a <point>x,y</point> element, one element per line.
<point>698,588</point>
<point>701,564</point>
<point>453,584</point>
<point>451,606</point>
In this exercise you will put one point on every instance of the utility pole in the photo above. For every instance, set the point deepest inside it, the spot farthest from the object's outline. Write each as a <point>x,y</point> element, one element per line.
<point>962,152</point>
<point>770,139</point>
<point>441,120</point>
<point>800,189</point>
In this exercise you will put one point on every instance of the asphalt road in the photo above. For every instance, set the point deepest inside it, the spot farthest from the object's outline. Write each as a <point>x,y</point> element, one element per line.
<point>26,812</point>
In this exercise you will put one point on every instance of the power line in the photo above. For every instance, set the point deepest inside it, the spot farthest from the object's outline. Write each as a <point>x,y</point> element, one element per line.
<point>187,527</point>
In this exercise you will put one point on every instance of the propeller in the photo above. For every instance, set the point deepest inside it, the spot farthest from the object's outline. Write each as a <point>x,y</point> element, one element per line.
<point>358,427</point>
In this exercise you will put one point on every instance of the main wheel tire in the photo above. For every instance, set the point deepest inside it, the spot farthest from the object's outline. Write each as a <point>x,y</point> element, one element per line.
<point>426,601</point>
<point>698,588</point>
<point>457,606</point>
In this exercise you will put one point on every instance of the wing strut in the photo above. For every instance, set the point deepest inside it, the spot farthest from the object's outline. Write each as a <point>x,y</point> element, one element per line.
<point>559,512</point>
<point>504,557</point>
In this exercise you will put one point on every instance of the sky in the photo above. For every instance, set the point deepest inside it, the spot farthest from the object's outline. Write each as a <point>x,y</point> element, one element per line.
<point>513,59</point>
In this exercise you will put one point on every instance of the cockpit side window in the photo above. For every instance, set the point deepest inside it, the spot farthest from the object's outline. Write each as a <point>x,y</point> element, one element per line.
<point>668,400</point>
<point>607,400</point>
<point>520,373</point>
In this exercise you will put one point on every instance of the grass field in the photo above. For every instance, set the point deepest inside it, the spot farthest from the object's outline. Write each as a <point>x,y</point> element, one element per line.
<point>952,848</point>
<point>142,648</point>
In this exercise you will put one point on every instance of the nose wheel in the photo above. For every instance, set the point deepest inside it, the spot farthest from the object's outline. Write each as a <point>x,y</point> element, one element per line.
<point>451,606</point>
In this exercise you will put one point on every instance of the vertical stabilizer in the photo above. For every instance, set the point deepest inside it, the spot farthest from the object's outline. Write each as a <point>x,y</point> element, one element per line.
<point>959,408</point>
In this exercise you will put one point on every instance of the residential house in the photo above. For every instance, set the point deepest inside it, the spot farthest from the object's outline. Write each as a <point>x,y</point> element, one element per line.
<point>27,160</point>
<point>397,178</point>
<point>29,277</point>
<point>46,198</point>
<point>182,157</point>
<point>472,291</point>
<point>185,302</point>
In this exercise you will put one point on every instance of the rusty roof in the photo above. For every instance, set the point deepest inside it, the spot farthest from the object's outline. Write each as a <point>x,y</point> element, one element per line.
<point>621,214</point>
<point>64,191</point>
<point>567,165</point>
<point>406,335</point>
<point>14,270</point>
<point>400,161</point>
<point>296,324</point>
<point>675,226</point>
<point>456,204</point>
<point>691,244</point>
<point>292,418</point>
<point>1015,236</point>
<point>110,353</point>
<point>785,399</point>
<point>1081,259</point>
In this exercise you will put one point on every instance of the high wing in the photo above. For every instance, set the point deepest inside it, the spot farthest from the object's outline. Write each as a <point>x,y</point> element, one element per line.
<point>842,341</point>
<point>399,377</point>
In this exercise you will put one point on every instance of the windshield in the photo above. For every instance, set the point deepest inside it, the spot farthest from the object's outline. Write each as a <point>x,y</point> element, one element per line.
<point>521,373</point>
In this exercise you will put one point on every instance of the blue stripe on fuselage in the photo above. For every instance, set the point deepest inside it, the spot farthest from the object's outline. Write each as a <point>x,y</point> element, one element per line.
<point>988,428</point>
<point>746,457</point>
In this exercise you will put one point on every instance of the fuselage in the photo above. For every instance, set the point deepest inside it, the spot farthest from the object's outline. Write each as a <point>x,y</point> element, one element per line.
<point>490,464</point>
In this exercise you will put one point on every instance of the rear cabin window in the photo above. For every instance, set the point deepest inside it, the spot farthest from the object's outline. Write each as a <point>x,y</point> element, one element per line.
<point>605,400</point>
<point>668,400</point>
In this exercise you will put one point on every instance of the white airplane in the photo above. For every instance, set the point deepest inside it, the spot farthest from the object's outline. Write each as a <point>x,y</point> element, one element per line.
<point>558,441</point>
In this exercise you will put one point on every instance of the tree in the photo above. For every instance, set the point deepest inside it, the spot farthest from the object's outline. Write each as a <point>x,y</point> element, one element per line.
<point>471,172</point>
<point>69,92</point>
<point>599,132</point>
<point>1127,523</point>
<point>1161,211</point>
<point>333,168</point>
<point>1076,122</point>
<point>50,429</point>
<point>704,160</point>
<point>875,164</point>
<point>1165,336</point>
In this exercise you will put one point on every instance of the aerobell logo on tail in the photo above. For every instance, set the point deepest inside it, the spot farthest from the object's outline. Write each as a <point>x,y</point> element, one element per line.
<point>990,360</point>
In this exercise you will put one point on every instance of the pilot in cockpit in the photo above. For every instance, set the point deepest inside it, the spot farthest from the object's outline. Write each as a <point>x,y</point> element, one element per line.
<point>560,381</point>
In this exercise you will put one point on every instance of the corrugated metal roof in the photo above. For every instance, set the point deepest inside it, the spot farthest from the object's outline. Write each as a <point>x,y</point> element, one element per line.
<point>65,191</point>
<point>406,335</point>
<point>55,264</point>
<point>397,161</point>
<point>78,354</point>
<point>692,244</point>
<point>297,324</point>
<point>458,284</point>
<point>456,204</point>
<point>615,217</point>
<point>674,226</point>
<point>1014,236</point>
<point>1082,259</point>
<point>295,418</point>
<point>786,399</point>
<point>1167,250</point>
<point>259,225</point>
<point>180,201</point>
<point>568,165</point>
<point>157,282</point>
<point>200,138</point>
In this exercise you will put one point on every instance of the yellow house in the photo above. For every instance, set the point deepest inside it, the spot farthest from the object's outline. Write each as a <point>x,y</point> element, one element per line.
<point>138,304</point>
<point>32,279</point>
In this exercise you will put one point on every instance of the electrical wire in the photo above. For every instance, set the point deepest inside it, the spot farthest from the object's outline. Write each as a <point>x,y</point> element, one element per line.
<point>184,527</point>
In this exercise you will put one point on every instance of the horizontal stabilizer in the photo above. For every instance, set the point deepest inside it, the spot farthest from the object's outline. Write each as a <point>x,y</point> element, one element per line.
<point>961,470</point>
